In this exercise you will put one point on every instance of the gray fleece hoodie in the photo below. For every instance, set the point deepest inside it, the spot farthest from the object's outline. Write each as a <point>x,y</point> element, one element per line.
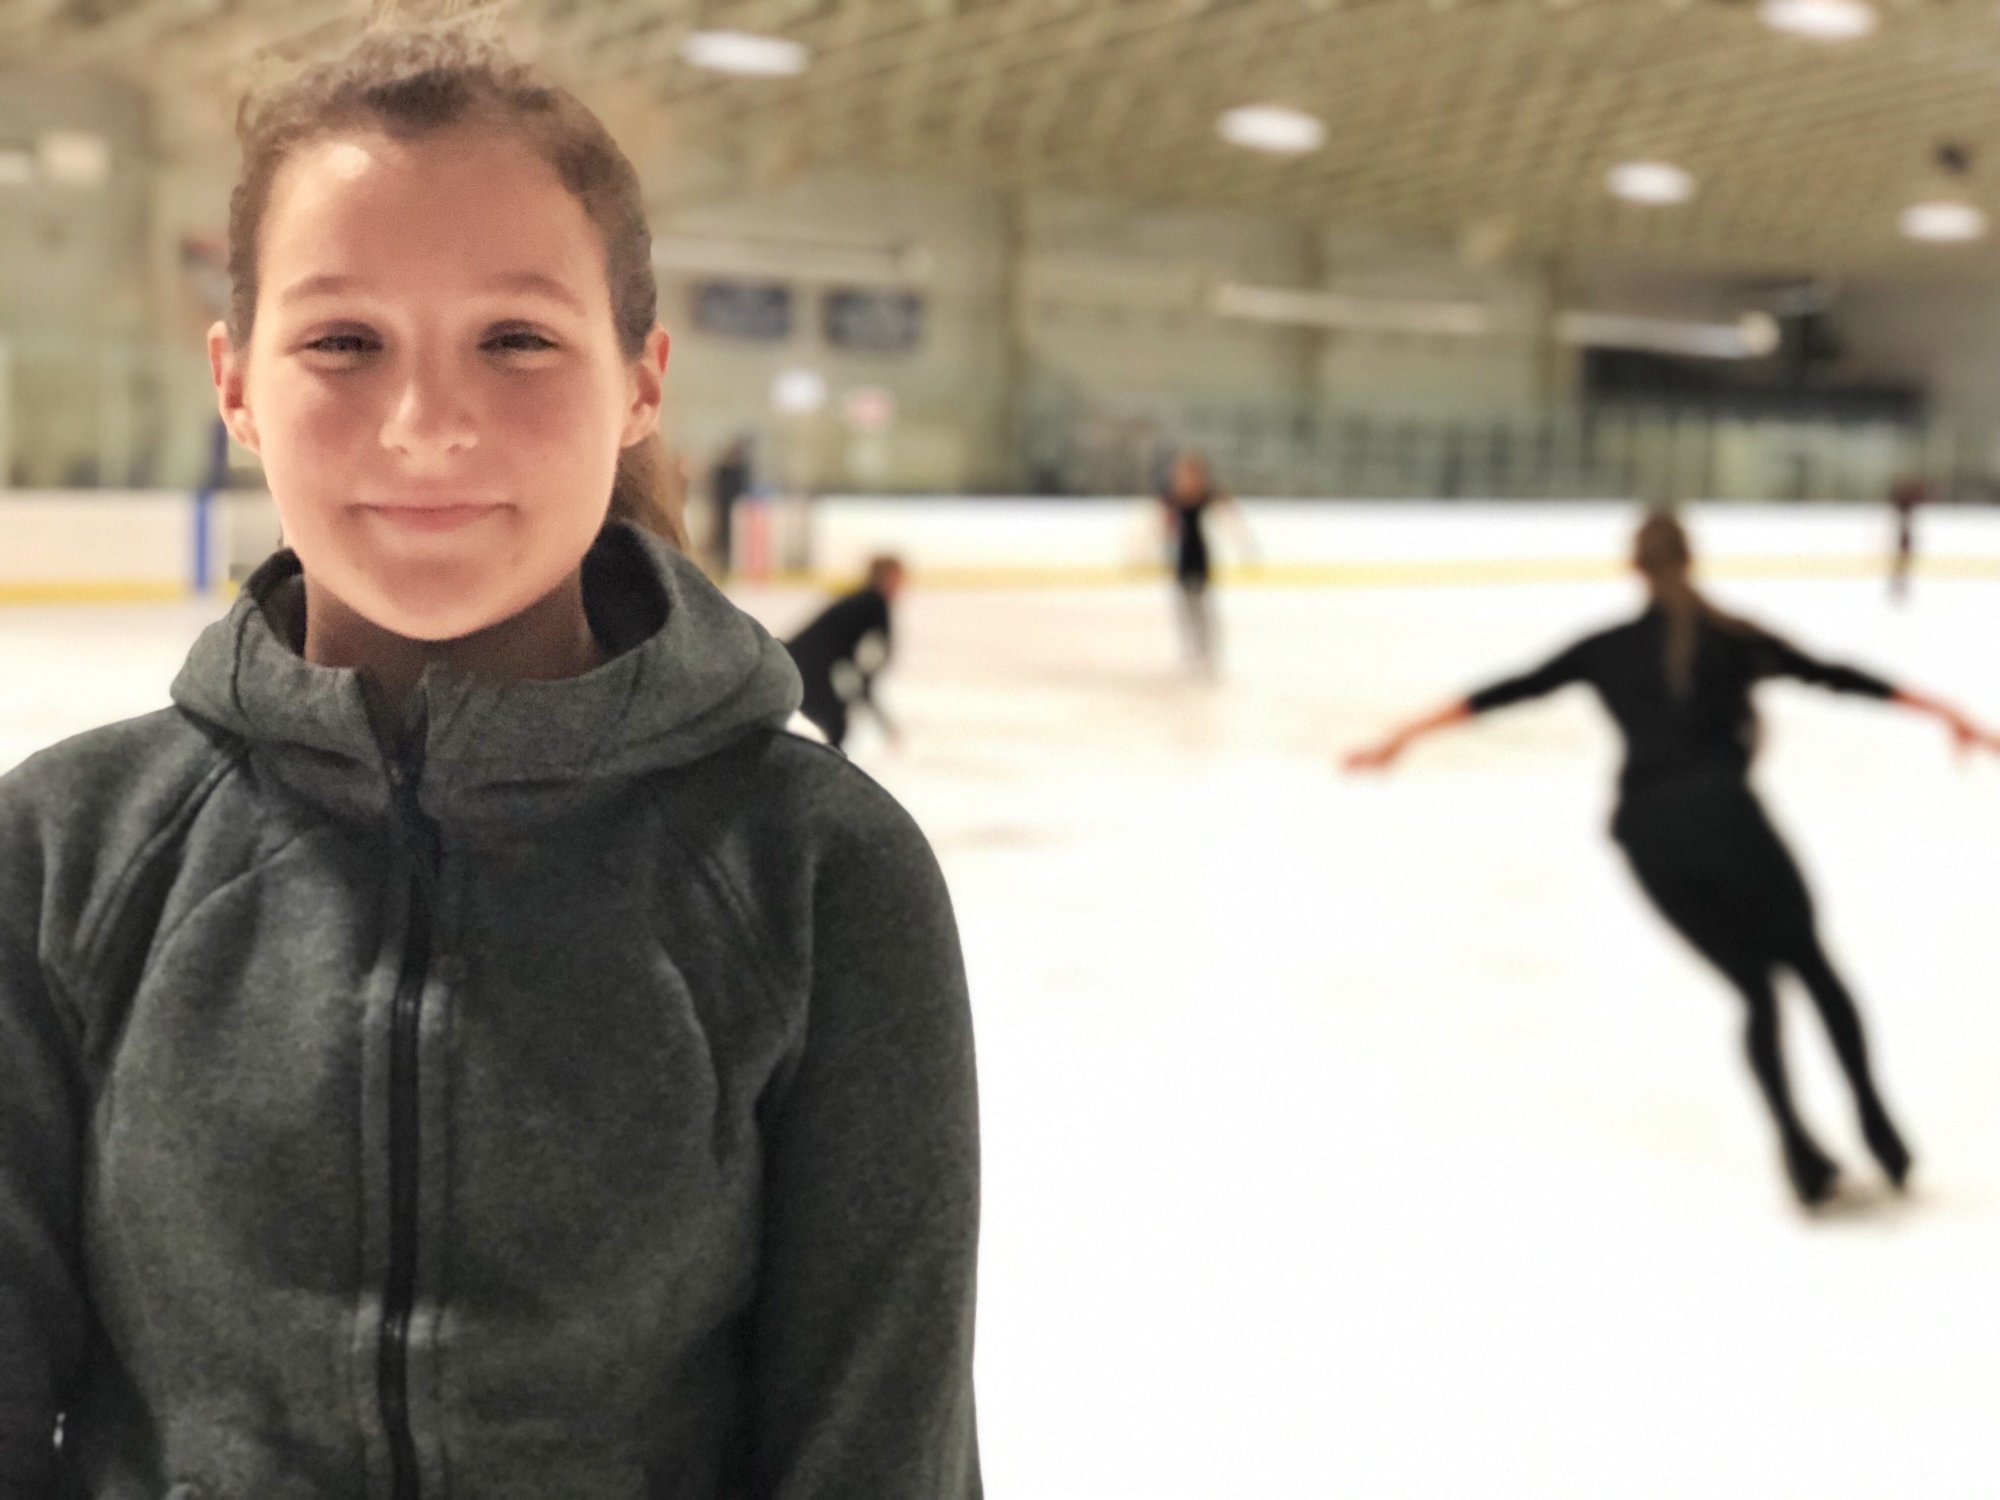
<point>566,1097</point>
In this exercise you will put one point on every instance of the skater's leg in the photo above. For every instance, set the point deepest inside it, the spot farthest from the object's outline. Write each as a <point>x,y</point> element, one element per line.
<point>1197,632</point>
<point>1830,996</point>
<point>820,703</point>
<point>1843,1025</point>
<point>1795,937</point>
<point>1704,916</point>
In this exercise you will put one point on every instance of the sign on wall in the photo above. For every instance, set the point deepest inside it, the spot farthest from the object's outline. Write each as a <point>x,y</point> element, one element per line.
<point>873,321</point>
<point>759,311</point>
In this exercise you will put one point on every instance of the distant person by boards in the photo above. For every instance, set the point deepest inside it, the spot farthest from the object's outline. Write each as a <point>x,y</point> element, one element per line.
<point>728,482</point>
<point>1186,498</point>
<point>1677,682</point>
<point>1904,499</point>
<point>845,648</point>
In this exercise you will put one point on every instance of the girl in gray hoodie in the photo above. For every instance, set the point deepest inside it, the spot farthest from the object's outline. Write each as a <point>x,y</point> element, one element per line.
<point>465,1047</point>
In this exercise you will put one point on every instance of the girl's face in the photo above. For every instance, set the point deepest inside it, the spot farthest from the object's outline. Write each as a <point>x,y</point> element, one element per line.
<point>434,380</point>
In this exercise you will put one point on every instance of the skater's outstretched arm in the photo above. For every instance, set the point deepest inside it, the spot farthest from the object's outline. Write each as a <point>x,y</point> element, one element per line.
<point>1777,657</point>
<point>1380,756</point>
<point>1780,658</point>
<point>1558,671</point>
<point>1247,551</point>
<point>1965,734</point>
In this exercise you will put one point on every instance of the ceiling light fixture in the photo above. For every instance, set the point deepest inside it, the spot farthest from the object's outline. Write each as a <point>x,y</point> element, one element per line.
<point>1272,127</point>
<point>75,158</point>
<point>1751,336</point>
<point>744,54</point>
<point>1943,222</point>
<point>1304,309</point>
<point>1655,182</point>
<point>1820,20</point>
<point>798,392</point>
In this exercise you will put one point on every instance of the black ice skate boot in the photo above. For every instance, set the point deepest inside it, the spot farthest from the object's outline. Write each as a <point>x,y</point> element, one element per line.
<point>1814,1175</point>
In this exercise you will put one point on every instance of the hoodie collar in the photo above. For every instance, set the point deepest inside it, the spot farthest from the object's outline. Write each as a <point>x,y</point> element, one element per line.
<point>691,674</point>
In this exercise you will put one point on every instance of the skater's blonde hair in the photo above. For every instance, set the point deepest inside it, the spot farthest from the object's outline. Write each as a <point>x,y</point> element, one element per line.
<point>410,84</point>
<point>1662,554</point>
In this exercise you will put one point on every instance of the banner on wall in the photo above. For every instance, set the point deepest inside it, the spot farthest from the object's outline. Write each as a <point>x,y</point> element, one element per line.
<point>871,320</point>
<point>753,311</point>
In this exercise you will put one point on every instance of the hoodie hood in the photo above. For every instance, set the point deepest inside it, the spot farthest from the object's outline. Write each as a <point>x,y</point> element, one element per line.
<point>690,675</point>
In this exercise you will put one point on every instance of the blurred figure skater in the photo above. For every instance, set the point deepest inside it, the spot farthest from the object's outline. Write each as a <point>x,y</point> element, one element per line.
<point>1904,498</point>
<point>728,482</point>
<point>1677,682</point>
<point>1185,501</point>
<point>840,654</point>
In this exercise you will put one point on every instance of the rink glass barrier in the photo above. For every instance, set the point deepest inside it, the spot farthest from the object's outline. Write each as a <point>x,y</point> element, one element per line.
<point>109,545</point>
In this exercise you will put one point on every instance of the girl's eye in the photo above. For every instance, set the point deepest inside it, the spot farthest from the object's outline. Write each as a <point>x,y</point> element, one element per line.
<point>343,343</point>
<point>520,341</point>
<point>513,341</point>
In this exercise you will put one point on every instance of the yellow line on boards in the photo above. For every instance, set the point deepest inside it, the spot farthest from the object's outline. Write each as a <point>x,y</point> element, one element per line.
<point>1413,573</point>
<point>92,591</point>
<point>1404,574</point>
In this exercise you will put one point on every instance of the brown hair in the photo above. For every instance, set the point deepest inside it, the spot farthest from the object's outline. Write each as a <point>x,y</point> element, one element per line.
<point>409,84</point>
<point>1660,552</point>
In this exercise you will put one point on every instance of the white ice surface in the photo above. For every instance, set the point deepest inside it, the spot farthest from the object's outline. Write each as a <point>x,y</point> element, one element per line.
<point>1368,1137</point>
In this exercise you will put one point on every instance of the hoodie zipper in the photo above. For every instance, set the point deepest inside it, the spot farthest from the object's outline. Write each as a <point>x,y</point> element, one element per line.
<point>399,1296</point>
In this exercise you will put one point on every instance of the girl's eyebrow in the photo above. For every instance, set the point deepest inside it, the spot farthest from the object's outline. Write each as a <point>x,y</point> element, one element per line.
<point>533,283</point>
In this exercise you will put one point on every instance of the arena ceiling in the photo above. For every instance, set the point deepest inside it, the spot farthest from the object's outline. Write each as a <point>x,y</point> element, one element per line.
<point>1487,123</point>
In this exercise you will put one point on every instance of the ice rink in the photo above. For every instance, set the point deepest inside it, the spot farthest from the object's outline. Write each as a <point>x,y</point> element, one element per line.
<point>1368,1138</point>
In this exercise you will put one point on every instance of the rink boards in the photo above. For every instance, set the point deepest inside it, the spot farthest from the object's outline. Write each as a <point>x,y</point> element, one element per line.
<point>141,545</point>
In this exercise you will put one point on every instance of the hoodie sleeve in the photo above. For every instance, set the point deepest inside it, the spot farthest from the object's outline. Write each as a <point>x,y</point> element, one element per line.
<point>862,1360</point>
<point>43,1318</point>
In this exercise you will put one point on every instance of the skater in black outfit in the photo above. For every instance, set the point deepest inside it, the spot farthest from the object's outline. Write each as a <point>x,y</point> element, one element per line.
<point>728,482</point>
<point>1189,494</point>
<point>1677,682</point>
<point>845,647</point>
<point>1904,499</point>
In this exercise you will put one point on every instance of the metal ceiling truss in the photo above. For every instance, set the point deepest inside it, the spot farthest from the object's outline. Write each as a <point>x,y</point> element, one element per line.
<point>1441,115</point>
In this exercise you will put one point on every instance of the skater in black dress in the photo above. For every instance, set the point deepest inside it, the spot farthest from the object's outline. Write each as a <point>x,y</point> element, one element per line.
<point>728,482</point>
<point>1185,501</point>
<point>1677,682</point>
<point>845,647</point>
<point>1904,499</point>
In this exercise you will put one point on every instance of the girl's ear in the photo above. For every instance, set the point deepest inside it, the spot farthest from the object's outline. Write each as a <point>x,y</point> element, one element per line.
<point>648,375</point>
<point>228,366</point>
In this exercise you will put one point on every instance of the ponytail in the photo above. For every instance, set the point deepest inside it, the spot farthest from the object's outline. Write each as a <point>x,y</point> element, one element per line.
<point>1684,608</point>
<point>1661,552</point>
<point>650,492</point>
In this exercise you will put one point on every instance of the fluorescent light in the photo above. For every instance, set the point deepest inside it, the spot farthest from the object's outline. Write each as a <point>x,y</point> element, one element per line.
<point>1272,127</point>
<point>75,158</point>
<point>1821,20</point>
<point>1293,308</point>
<point>743,53</point>
<point>1650,182</point>
<point>798,392</point>
<point>1760,334</point>
<point>1943,222</point>
<point>1752,336</point>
